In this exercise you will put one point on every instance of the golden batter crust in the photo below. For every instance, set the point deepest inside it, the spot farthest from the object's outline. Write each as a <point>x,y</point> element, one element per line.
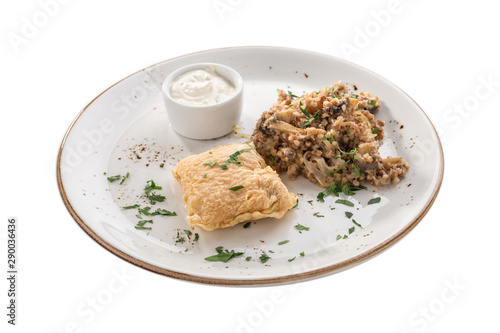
<point>210,202</point>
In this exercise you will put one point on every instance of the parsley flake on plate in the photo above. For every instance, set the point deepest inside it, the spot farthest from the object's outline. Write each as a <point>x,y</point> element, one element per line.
<point>141,223</point>
<point>131,207</point>
<point>154,198</point>
<point>345,202</point>
<point>164,212</point>
<point>125,178</point>
<point>356,223</point>
<point>301,227</point>
<point>113,178</point>
<point>264,258</point>
<point>223,256</point>
<point>151,186</point>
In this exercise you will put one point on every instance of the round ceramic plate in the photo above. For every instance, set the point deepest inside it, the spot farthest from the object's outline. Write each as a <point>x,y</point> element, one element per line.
<point>125,130</point>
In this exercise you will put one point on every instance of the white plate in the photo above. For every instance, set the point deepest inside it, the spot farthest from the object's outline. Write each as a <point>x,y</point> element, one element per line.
<point>128,121</point>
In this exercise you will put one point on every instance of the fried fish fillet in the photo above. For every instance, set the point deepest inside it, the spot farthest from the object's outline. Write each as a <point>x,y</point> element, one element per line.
<point>230,184</point>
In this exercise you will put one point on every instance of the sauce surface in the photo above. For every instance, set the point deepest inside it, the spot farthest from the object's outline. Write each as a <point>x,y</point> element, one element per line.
<point>201,87</point>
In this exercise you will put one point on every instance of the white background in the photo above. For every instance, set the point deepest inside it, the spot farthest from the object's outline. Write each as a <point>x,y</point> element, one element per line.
<point>438,52</point>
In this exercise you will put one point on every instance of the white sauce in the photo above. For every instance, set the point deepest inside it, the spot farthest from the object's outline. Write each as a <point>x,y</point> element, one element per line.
<point>201,87</point>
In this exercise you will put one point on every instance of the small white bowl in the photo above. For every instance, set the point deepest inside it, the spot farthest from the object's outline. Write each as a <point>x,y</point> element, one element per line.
<point>204,121</point>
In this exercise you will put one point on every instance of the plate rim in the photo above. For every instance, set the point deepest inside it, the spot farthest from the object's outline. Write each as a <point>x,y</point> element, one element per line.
<point>316,273</point>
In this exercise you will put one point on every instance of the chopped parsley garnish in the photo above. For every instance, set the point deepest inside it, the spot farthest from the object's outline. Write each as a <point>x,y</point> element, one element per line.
<point>248,258</point>
<point>204,176</point>
<point>353,96</point>
<point>233,158</point>
<point>154,198</point>
<point>346,189</point>
<point>196,237</point>
<point>356,223</point>
<point>351,153</point>
<point>339,237</point>
<point>351,230</point>
<point>125,178</point>
<point>247,225</point>
<point>131,207</point>
<point>374,200</point>
<point>317,215</point>
<point>145,211</point>
<point>113,178</point>
<point>332,189</point>
<point>334,89</point>
<point>180,240</point>
<point>223,256</point>
<point>271,159</point>
<point>210,163</point>
<point>296,204</point>
<point>373,102</point>
<point>162,165</point>
<point>375,130</point>
<point>357,171</point>
<point>151,186</point>
<point>345,202</point>
<point>290,260</point>
<point>309,121</point>
<point>164,212</point>
<point>188,232</point>
<point>291,94</point>
<point>264,258</point>
<point>345,236</point>
<point>236,188</point>
<point>301,227</point>
<point>350,156</point>
<point>271,251</point>
<point>302,254</point>
<point>138,216</point>
<point>142,228</point>
<point>304,111</point>
<point>339,168</point>
<point>283,242</point>
<point>348,214</point>
<point>310,202</point>
<point>141,223</point>
<point>223,166</point>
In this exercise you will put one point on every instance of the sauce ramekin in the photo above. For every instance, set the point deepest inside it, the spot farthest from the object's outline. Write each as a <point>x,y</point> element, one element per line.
<point>204,121</point>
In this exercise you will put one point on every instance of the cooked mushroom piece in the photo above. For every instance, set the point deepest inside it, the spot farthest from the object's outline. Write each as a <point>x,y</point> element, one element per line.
<point>281,126</point>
